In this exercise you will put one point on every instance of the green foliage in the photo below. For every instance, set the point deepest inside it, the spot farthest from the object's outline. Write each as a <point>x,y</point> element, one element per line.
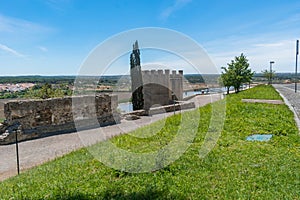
<point>8,95</point>
<point>12,95</point>
<point>47,91</point>
<point>237,73</point>
<point>268,75</point>
<point>234,169</point>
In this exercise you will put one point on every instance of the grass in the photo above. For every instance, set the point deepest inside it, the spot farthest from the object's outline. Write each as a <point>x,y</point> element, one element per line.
<point>2,120</point>
<point>234,169</point>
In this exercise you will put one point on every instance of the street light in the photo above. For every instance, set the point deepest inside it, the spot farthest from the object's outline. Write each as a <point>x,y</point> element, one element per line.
<point>297,52</point>
<point>271,75</point>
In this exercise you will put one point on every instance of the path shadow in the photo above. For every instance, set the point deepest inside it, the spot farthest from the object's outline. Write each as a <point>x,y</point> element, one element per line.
<point>150,194</point>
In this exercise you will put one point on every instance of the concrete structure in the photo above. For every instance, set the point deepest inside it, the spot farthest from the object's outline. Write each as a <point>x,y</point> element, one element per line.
<point>159,87</point>
<point>38,118</point>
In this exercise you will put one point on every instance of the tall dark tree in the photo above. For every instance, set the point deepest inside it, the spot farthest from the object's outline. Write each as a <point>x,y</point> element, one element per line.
<point>136,78</point>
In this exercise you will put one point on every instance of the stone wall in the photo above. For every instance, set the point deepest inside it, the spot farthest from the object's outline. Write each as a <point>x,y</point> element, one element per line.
<point>2,102</point>
<point>176,80</point>
<point>163,109</point>
<point>38,118</point>
<point>158,86</point>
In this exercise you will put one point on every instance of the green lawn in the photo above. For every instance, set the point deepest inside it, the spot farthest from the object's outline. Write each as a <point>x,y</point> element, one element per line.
<point>234,169</point>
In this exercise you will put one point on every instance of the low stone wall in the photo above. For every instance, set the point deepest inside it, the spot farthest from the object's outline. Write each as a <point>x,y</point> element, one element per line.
<point>38,118</point>
<point>171,108</point>
<point>163,109</point>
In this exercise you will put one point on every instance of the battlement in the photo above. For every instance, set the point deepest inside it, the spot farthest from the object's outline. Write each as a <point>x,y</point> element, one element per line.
<point>165,72</point>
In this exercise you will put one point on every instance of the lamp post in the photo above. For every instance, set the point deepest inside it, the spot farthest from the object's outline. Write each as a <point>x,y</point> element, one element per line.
<point>173,98</point>
<point>17,151</point>
<point>271,75</point>
<point>297,52</point>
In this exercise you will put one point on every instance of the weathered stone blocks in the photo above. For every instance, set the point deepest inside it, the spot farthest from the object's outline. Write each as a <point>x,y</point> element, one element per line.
<point>39,118</point>
<point>159,86</point>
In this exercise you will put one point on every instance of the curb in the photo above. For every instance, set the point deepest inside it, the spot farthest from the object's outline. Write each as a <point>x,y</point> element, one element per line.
<point>286,101</point>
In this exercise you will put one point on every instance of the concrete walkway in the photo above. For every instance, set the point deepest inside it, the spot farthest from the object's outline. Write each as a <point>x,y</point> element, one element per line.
<point>292,99</point>
<point>38,151</point>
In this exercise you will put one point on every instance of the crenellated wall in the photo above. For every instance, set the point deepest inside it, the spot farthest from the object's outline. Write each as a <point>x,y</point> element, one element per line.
<point>37,118</point>
<point>158,86</point>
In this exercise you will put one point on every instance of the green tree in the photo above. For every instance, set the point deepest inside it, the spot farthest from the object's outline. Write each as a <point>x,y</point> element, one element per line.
<point>237,73</point>
<point>45,92</point>
<point>226,78</point>
<point>268,75</point>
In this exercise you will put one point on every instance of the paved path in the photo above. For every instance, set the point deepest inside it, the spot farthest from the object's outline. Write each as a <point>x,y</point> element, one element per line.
<point>292,99</point>
<point>38,151</point>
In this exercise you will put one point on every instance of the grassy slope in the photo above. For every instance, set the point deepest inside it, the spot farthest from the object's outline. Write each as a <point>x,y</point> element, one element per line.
<point>234,169</point>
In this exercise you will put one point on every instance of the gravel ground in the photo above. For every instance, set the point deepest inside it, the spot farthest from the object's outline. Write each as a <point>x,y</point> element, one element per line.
<point>38,151</point>
<point>291,98</point>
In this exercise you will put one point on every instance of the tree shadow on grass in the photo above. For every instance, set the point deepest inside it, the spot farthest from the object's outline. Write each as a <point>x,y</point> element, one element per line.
<point>119,194</point>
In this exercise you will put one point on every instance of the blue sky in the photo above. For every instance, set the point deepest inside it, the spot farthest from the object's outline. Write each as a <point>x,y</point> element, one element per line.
<point>54,37</point>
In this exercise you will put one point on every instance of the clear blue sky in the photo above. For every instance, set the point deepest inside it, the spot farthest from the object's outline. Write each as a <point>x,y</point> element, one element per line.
<point>53,37</point>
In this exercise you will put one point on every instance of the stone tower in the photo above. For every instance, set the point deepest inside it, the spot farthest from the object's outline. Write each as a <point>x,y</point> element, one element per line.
<point>160,86</point>
<point>136,78</point>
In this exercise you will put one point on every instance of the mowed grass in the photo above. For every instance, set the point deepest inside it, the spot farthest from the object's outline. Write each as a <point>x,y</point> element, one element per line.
<point>234,169</point>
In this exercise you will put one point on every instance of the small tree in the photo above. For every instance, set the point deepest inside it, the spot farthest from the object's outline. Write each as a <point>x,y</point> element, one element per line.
<point>268,75</point>
<point>44,92</point>
<point>237,73</point>
<point>226,78</point>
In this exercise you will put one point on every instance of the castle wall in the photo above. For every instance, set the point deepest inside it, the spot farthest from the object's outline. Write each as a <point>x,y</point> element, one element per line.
<point>159,85</point>
<point>176,80</point>
<point>36,118</point>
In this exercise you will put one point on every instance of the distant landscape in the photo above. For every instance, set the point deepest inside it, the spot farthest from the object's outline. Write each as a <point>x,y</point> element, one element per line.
<point>25,86</point>
<point>173,99</point>
<point>13,87</point>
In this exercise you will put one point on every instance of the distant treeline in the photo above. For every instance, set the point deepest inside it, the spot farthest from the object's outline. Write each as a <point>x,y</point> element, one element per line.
<point>37,79</point>
<point>278,75</point>
<point>205,78</point>
<point>112,80</point>
<point>55,79</point>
